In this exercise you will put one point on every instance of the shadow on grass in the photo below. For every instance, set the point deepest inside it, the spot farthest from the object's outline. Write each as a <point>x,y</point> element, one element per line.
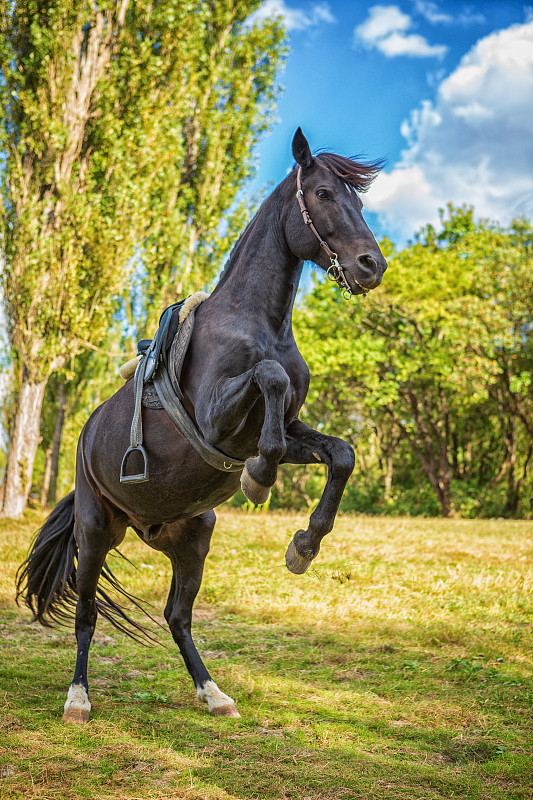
<point>324,716</point>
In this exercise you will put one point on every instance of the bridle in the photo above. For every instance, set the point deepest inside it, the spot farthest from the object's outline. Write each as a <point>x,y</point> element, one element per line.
<point>334,272</point>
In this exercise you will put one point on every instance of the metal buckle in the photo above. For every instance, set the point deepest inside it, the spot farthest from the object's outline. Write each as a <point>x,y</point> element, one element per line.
<point>332,272</point>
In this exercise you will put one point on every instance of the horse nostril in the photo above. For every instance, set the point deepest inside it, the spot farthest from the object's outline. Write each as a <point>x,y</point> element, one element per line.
<point>368,263</point>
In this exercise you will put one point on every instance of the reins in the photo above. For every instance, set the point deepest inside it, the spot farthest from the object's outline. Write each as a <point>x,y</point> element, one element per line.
<point>334,272</point>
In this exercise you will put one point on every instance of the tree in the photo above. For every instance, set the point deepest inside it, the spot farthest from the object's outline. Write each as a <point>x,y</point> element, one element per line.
<point>53,60</point>
<point>94,98</point>
<point>194,211</point>
<point>436,366</point>
<point>505,271</point>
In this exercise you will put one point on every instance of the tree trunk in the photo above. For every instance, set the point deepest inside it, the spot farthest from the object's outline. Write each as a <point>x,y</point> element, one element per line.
<point>46,478</point>
<point>23,447</point>
<point>443,494</point>
<point>56,444</point>
<point>388,475</point>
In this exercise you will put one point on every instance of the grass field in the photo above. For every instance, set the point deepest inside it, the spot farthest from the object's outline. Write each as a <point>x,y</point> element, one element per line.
<point>398,667</point>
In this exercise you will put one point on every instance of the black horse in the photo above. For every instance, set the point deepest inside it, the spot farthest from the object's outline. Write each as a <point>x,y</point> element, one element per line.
<point>243,382</point>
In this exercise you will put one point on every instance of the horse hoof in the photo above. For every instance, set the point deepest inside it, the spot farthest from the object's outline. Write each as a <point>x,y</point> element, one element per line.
<point>78,716</point>
<point>78,706</point>
<point>295,562</point>
<point>220,705</point>
<point>252,490</point>
<point>225,711</point>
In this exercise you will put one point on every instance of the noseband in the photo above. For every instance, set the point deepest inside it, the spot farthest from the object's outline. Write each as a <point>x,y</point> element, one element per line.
<point>334,272</point>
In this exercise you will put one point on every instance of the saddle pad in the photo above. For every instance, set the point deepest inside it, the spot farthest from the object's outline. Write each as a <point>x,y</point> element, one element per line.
<point>150,398</point>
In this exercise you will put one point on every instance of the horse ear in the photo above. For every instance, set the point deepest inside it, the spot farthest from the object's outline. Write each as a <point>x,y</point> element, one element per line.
<point>301,151</point>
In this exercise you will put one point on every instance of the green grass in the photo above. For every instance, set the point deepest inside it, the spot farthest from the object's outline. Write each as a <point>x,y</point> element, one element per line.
<point>398,667</point>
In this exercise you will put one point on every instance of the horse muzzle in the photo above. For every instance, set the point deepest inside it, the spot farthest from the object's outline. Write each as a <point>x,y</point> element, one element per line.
<point>367,272</point>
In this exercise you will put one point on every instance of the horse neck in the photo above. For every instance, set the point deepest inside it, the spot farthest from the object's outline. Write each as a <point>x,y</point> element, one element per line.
<point>261,278</point>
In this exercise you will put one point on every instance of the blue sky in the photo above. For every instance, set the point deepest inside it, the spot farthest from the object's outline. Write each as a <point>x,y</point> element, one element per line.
<point>442,89</point>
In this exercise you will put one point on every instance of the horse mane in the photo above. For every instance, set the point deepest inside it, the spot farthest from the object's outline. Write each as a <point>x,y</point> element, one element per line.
<point>355,173</point>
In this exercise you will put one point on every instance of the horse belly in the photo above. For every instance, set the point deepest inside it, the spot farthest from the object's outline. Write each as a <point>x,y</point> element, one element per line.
<point>180,483</point>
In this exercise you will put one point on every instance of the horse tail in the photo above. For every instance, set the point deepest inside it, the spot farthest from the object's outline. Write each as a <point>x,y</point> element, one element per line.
<point>46,580</point>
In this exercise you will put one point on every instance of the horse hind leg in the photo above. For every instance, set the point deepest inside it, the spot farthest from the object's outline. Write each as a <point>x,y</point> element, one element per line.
<point>186,544</point>
<point>78,706</point>
<point>95,536</point>
<point>188,566</point>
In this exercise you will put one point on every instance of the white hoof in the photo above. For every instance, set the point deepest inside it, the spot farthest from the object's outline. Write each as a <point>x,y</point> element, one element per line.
<point>78,706</point>
<point>254,491</point>
<point>219,704</point>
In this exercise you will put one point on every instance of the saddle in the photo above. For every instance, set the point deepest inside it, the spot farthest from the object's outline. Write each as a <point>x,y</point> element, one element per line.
<point>159,362</point>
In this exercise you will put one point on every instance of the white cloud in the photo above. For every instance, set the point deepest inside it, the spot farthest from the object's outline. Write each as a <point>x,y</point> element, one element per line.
<point>386,28</point>
<point>381,22</point>
<point>398,44</point>
<point>294,19</point>
<point>432,13</point>
<point>472,144</point>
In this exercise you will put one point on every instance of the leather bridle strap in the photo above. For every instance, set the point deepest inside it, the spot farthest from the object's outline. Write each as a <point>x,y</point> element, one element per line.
<point>308,221</point>
<point>335,272</point>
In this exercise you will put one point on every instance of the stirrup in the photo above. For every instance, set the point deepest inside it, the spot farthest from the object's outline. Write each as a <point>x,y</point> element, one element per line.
<point>140,477</point>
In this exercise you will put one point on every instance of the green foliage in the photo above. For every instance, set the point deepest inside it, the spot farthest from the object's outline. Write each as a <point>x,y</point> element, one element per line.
<point>430,377</point>
<point>126,126</point>
<point>128,130</point>
<point>217,101</point>
<point>64,227</point>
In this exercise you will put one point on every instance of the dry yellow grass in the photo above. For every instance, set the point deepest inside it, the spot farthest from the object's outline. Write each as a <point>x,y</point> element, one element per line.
<point>398,667</point>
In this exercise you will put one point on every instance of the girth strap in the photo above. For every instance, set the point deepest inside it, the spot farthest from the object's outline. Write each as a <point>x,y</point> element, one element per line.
<point>169,392</point>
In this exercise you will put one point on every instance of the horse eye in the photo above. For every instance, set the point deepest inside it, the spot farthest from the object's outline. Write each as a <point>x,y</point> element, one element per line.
<point>322,194</point>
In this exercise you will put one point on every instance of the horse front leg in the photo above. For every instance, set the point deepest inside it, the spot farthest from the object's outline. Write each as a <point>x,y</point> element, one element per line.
<point>307,446</point>
<point>232,402</point>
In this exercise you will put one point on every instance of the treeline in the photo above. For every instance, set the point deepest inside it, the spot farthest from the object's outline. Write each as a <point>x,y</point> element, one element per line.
<point>429,377</point>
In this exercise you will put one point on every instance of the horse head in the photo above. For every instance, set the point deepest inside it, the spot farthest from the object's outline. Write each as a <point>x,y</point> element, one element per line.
<point>333,234</point>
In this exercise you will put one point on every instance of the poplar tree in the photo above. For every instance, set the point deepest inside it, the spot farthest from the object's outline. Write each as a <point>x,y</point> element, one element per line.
<point>197,209</point>
<point>96,98</point>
